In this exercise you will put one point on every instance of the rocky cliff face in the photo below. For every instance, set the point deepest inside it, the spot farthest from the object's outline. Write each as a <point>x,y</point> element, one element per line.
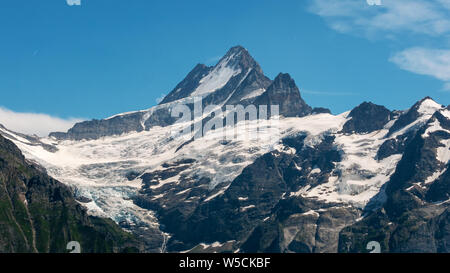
<point>367,118</point>
<point>39,214</point>
<point>285,93</point>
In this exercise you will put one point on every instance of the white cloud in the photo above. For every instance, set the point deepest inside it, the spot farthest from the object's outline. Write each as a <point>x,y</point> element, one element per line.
<point>429,17</point>
<point>424,61</point>
<point>33,123</point>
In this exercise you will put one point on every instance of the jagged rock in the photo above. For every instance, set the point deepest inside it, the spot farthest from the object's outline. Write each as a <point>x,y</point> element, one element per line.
<point>320,110</point>
<point>413,114</point>
<point>366,118</point>
<point>95,129</point>
<point>394,146</point>
<point>284,92</point>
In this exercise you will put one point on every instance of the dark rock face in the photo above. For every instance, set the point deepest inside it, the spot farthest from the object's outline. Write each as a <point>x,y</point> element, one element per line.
<point>243,59</point>
<point>160,117</point>
<point>95,129</point>
<point>249,79</point>
<point>39,214</point>
<point>285,93</point>
<point>320,110</point>
<point>366,118</point>
<point>254,81</point>
<point>394,146</point>
<point>422,230</point>
<point>440,190</point>
<point>188,85</point>
<point>293,229</point>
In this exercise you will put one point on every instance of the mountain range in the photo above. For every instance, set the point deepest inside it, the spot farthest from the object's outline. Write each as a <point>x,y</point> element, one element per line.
<point>315,182</point>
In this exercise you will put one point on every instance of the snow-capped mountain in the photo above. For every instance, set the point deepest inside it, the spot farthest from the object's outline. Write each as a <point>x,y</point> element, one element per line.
<point>315,182</point>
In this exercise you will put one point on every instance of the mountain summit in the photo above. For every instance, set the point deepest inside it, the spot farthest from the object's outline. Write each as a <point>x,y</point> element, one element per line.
<point>284,92</point>
<point>237,79</point>
<point>204,80</point>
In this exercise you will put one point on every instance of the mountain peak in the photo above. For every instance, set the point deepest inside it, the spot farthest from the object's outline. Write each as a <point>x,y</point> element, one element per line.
<point>238,57</point>
<point>284,92</point>
<point>285,77</point>
<point>236,49</point>
<point>204,80</point>
<point>366,118</point>
<point>426,106</point>
<point>283,80</point>
<point>421,110</point>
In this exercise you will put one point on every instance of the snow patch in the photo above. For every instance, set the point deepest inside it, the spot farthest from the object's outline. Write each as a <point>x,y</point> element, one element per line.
<point>217,78</point>
<point>429,107</point>
<point>443,153</point>
<point>247,208</point>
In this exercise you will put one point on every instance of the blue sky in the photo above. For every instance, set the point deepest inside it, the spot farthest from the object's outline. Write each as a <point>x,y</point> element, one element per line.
<point>109,56</point>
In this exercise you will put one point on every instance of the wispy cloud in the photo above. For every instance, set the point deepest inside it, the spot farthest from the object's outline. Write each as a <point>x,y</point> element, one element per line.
<point>34,123</point>
<point>424,61</point>
<point>429,17</point>
<point>416,18</point>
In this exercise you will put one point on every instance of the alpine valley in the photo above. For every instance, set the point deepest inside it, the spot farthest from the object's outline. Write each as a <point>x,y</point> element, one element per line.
<point>325,183</point>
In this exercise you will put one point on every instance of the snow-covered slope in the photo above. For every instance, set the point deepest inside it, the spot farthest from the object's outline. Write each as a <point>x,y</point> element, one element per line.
<point>99,168</point>
<point>108,171</point>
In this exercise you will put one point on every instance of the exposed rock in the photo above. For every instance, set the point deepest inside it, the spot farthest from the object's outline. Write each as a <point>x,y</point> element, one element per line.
<point>284,92</point>
<point>188,85</point>
<point>320,110</point>
<point>95,129</point>
<point>366,118</point>
<point>409,116</point>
